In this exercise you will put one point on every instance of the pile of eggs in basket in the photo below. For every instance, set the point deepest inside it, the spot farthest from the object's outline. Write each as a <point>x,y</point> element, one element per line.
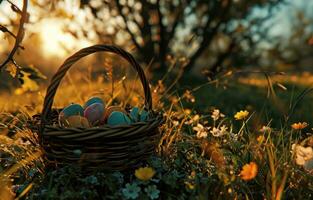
<point>95,113</point>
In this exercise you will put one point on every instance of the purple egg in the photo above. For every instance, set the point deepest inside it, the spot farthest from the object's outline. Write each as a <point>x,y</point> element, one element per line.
<point>94,113</point>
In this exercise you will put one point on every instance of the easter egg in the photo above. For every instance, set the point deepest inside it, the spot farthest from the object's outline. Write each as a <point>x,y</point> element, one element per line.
<point>93,100</point>
<point>77,122</point>
<point>134,114</point>
<point>118,118</point>
<point>109,110</point>
<point>308,165</point>
<point>73,109</point>
<point>94,113</point>
<point>144,115</point>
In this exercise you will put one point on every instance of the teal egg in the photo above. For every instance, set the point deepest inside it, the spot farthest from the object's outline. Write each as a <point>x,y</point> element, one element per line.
<point>144,115</point>
<point>73,109</point>
<point>134,114</point>
<point>308,165</point>
<point>118,118</point>
<point>93,100</point>
<point>94,112</point>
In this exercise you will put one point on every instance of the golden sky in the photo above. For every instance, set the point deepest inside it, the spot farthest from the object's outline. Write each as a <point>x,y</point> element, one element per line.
<point>54,41</point>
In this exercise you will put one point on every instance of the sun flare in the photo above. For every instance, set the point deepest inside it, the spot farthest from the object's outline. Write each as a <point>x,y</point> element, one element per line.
<point>55,41</point>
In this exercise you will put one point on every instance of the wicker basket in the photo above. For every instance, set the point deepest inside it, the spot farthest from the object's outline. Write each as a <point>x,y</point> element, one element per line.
<point>106,147</point>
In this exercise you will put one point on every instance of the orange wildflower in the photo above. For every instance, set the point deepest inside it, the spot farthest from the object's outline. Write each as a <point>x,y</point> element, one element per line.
<point>299,125</point>
<point>249,171</point>
<point>260,138</point>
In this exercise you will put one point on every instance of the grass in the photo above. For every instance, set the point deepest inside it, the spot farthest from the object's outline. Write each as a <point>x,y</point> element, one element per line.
<point>190,162</point>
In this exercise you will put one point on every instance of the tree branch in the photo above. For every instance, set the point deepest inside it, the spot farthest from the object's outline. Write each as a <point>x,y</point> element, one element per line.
<point>133,38</point>
<point>221,58</point>
<point>162,41</point>
<point>146,29</point>
<point>19,37</point>
<point>209,33</point>
<point>5,30</point>
<point>177,20</point>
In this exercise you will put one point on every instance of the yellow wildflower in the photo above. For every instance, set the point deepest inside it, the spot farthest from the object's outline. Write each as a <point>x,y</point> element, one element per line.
<point>192,175</point>
<point>241,115</point>
<point>249,171</point>
<point>187,111</point>
<point>144,173</point>
<point>299,125</point>
<point>190,186</point>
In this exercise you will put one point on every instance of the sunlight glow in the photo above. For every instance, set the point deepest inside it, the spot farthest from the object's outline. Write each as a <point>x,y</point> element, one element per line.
<point>55,42</point>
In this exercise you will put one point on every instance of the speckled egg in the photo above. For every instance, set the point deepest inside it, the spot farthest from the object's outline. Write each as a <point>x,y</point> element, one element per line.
<point>77,122</point>
<point>118,118</point>
<point>94,113</point>
<point>73,109</point>
<point>93,100</point>
<point>108,112</point>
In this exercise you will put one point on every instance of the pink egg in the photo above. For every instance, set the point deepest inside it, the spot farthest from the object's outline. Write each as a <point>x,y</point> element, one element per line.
<point>94,113</point>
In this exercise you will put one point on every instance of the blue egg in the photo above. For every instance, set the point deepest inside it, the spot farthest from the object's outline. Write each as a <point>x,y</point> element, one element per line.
<point>134,114</point>
<point>118,118</point>
<point>73,109</point>
<point>308,165</point>
<point>144,115</point>
<point>93,100</point>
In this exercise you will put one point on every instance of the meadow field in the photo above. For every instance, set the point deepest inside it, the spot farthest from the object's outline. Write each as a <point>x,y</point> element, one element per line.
<point>181,99</point>
<point>214,143</point>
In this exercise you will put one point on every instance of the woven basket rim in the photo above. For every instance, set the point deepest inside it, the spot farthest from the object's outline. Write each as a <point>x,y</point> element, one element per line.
<point>57,78</point>
<point>158,118</point>
<point>117,147</point>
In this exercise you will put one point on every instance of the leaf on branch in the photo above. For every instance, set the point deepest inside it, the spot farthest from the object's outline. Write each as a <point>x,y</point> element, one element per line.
<point>16,9</point>
<point>3,29</point>
<point>27,83</point>
<point>12,69</point>
<point>35,73</point>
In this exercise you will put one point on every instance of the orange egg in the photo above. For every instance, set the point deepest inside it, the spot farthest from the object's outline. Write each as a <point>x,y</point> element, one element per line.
<point>76,121</point>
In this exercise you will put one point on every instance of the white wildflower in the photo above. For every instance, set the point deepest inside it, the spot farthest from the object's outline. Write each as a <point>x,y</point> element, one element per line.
<point>215,131</point>
<point>223,129</point>
<point>302,154</point>
<point>218,132</point>
<point>175,123</point>
<point>233,136</point>
<point>202,132</point>
<point>265,129</point>
<point>216,114</point>
<point>193,120</point>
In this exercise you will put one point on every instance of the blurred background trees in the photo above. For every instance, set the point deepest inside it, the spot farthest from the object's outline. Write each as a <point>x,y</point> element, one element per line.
<point>199,35</point>
<point>210,34</point>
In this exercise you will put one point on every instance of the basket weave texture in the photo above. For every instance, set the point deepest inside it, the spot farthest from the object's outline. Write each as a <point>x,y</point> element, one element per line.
<point>107,147</point>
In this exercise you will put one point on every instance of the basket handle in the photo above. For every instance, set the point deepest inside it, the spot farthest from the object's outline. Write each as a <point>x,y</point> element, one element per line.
<point>56,79</point>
